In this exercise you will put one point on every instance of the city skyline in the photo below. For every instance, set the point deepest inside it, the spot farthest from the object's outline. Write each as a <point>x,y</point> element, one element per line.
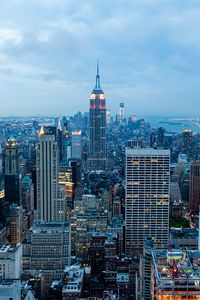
<point>148,54</point>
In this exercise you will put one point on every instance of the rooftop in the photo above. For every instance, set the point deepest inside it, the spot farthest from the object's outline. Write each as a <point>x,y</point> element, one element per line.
<point>177,269</point>
<point>184,233</point>
<point>49,227</point>
<point>146,151</point>
<point>74,275</point>
<point>11,142</point>
<point>9,282</point>
<point>11,248</point>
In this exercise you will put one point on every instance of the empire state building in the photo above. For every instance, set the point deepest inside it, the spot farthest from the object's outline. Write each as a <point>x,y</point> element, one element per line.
<point>97,147</point>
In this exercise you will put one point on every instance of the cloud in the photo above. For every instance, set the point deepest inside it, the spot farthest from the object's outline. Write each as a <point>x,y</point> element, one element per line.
<point>149,51</point>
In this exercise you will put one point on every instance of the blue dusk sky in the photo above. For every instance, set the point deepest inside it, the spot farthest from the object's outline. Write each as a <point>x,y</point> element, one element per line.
<point>149,53</point>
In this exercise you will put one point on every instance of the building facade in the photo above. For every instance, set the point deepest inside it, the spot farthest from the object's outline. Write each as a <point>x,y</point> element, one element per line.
<point>147,198</point>
<point>10,261</point>
<point>11,171</point>
<point>48,248</point>
<point>76,144</point>
<point>15,228</point>
<point>47,174</point>
<point>194,190</point>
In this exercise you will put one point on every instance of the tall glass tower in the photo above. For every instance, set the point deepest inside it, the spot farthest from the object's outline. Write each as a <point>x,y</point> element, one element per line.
<point>97,147</point>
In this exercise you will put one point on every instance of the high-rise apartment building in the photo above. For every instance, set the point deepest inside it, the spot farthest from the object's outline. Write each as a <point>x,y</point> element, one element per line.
<point>147,197</point>
<point>194,191</point>
<point>47,174</point>
<point>11,171</point>
<point>97,148</point>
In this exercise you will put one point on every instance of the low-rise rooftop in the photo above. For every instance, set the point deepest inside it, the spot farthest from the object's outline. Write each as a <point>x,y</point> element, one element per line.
<point>9,248</point>
<point>74,276</point>
<point>177,271</point>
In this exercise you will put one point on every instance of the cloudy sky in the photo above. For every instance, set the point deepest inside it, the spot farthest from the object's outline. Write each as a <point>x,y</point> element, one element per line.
<point>149,52</point>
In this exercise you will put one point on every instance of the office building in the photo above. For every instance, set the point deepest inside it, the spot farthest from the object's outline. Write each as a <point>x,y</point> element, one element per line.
<point>194,189</point>
<point>117,227</point>
<point>160,137</point>
<point>65,181</point>
<point>11,171</point>
<point>88,203</point>
<point>76,144</point>
<point>61,205</point>
<point>97,147</point>
<point>48,248</point>
<point>60,141</point>
<point>102,257</point>
<point>145,270</point>
<point>2,197</point>
<point>15,227</point>
<point>187,141</point>
<point>147,198</point>
<point>175,274</point>
<point>27,193</point>
<point>85,224</point>
<point>10,261</point>
<point>47,174</point>
<point>75,166</point>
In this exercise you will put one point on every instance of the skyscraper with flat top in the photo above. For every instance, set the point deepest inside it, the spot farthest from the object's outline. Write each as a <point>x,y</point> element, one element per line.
<point>147,198</point>
<point>47,174</point>
<point>97,147</point>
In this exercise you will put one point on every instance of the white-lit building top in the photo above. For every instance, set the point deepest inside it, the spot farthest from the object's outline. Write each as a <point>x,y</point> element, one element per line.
<point>74,276</point>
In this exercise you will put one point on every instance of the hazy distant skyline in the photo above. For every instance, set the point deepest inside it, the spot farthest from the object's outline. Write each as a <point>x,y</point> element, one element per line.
<point>149,52</point>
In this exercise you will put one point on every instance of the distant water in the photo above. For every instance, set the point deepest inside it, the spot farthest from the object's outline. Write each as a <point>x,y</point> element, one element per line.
<point>174,124</point>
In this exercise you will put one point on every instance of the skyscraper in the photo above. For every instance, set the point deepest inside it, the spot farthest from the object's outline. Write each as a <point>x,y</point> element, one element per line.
<point>147,197</point>
<point>11,171</point>
<point>194,192</point>
<point>121,112</point>
<point>47,174</point>
<point>59,136</point>
<point>76,144</point>
<point>15,224</point>
<point>97,147</point>
<point>187,141</point>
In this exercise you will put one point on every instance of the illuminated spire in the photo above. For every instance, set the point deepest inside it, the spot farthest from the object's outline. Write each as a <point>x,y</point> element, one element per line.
<point>41,131</point>
<point>59,125</point>
<point>97,77</point>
